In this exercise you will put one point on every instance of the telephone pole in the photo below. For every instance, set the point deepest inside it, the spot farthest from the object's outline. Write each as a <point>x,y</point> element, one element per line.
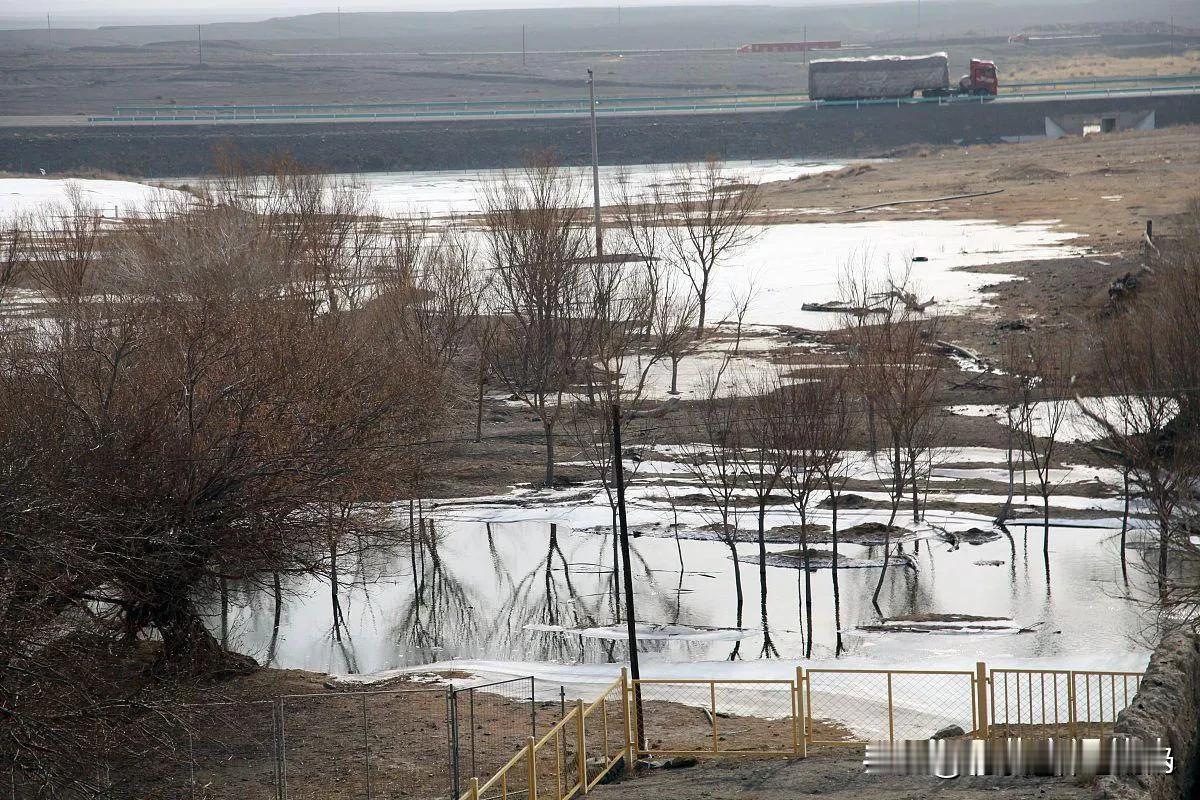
<point>339,22</point>
<point>627,574</point>
<point>522,45</point>
<point>49,36</point>
<point>595,168</point>
<point>200,45</point>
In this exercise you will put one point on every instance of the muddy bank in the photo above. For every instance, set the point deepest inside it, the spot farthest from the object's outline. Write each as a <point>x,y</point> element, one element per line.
<point>175,150</point>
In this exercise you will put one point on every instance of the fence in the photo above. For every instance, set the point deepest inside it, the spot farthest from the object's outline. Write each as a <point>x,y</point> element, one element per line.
<point>1058,702</point>
<point>405,744</point>
<point>570,758</point>
<point>663,716</point>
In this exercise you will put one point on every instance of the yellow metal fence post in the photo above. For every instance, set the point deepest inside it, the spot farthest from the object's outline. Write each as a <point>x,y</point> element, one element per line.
<point>981,700</point>
<point>1071,715</point>
<point>626,699</point>
<point>531,764</point>
<point>712,689</point>
<point>799,728</point>
<point>581,747</point>
<point>474,788</point>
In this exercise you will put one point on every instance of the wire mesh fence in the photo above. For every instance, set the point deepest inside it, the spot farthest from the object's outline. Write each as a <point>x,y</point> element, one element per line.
<point>875,705</point>
<point>748,717</point>
<point>488,723</point>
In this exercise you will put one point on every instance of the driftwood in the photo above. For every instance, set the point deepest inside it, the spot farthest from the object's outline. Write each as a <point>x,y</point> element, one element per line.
<point>928,200</point>
<point>837,307</point>
<point>964,352</point>
<point>908,299</point>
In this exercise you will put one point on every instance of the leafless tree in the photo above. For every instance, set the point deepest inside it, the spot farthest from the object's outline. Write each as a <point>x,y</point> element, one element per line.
<point>893,367</point>
<point>705,213</point>
<point>1043,373</point>
<point>538,248</point>
<point>715,464</point>
<point>185,420</point>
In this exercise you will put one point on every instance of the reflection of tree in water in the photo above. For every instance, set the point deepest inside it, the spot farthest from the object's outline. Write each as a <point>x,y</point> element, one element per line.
<point>571,593</point>
<point>440,614</point>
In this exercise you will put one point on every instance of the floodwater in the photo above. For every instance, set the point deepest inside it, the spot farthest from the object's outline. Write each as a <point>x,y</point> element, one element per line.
<point>534,582</point>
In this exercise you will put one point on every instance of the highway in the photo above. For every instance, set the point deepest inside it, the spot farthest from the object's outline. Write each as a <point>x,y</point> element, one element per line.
<point>442,111</point>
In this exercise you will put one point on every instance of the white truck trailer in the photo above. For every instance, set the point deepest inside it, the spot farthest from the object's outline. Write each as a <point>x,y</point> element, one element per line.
<point>876,77</point>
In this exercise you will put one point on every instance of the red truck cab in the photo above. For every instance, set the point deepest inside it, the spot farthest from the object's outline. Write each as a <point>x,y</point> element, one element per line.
<point>982,80</point>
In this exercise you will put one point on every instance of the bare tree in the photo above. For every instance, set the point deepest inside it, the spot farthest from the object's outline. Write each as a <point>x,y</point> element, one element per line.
<point>184,422</point>
<point>1044,375</point>
<point>705,213</point>
<point>714,463</point>
<point>538,248</point>
<point>894,369</point>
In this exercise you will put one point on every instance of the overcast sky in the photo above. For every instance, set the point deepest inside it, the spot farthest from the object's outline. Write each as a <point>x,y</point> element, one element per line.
<point>67,12</point>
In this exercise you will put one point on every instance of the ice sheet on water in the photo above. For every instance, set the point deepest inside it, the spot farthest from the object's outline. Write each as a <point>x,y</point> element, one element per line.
<point>652,632</point>
<point>21,196</point>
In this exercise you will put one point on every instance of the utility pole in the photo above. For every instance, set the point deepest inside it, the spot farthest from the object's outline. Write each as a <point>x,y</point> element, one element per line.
<point>627,569</point>
<point>200,45</point>
<point>522,45</point>
<point>806,46</point>
<point>49,36</point>
<point>595,168</point>
<point>339,22</point>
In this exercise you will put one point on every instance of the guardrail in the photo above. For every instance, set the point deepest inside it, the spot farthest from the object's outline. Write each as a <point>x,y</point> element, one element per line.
<point>418,111</point>
<point>783,718</point>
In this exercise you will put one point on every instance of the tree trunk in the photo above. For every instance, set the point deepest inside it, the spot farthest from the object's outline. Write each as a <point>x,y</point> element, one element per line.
<point>278,592</point>
<point>674,375</point>
<point>837,594</point>
<point>808,602</point>
<point>737,584</point>
<point>224,613</point>
<point>768,647</point>
<point>479,405</point>
<point>1125,525</point>
<point>548,429</point>
<point>335,604</point>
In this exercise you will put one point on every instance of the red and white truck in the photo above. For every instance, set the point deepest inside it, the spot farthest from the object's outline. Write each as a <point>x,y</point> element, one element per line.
<point>891,77</point>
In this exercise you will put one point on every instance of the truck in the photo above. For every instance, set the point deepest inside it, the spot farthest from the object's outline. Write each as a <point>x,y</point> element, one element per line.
<point>892,77</point>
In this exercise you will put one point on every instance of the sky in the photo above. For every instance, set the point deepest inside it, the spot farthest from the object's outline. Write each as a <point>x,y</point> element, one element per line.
<point>67,12</point>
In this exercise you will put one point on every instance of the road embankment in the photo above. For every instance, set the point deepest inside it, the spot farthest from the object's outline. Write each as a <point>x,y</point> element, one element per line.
<point>152,150</point>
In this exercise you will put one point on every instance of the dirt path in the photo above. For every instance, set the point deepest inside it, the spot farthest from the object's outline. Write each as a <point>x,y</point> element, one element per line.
<point>830,774</point>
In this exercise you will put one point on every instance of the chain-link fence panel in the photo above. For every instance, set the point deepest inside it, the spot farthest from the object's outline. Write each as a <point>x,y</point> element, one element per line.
<point>366,745</point>
<point>217,751</point>
<point>604,730</point>
<point>696,717</point>
<point>489,724</point>
<point>853,706</point>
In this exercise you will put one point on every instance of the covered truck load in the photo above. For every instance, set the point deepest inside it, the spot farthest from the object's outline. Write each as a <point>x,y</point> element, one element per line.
<point>878,77</point>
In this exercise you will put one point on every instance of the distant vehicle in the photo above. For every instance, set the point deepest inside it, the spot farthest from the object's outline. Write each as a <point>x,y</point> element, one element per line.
<point>788,47</point>
<point>1055,39</point>
<point>891,77</point>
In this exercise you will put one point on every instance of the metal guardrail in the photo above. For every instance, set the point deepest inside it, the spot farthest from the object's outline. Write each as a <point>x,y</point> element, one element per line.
<point>502,108</point>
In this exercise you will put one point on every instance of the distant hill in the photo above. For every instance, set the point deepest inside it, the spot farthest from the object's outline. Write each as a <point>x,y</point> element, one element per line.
<point>665,27</point>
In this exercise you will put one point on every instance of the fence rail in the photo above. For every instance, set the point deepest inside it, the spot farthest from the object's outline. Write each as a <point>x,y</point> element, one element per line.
<point>557,766</point>
<point>780,717</point>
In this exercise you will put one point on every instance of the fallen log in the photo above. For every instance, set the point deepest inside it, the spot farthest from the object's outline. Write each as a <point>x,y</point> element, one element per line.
<point>928,200</point>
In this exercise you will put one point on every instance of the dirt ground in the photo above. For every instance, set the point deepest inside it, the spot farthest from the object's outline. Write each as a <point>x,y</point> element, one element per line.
<point>827,772</point>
